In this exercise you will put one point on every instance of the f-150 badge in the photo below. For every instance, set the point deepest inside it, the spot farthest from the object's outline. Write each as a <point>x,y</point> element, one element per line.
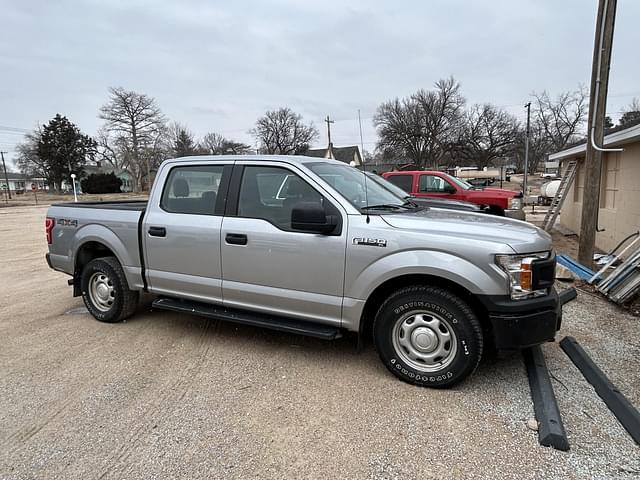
<point>372,242</point>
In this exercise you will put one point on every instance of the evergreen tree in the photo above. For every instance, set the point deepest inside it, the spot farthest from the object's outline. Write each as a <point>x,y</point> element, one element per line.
<point>64,149</point>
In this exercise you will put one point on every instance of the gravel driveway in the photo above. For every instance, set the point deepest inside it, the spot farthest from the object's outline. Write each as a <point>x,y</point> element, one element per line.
<point>166,395</point>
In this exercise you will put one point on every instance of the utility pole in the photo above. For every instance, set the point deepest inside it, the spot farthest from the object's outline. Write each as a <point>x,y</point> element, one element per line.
<point>526,151</point>
<point>329,122</point>
<point>6,178</point>
<point>602,48</point>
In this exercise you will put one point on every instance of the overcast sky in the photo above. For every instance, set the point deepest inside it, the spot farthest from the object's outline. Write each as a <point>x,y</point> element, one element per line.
<point>217,66</point>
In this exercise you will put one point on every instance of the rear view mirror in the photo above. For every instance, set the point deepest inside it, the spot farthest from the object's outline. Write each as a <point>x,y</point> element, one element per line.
<point>449,188</point>
<point>311,217</point>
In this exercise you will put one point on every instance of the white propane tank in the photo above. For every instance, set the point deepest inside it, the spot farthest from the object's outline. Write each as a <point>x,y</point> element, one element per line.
<point>549,189</point>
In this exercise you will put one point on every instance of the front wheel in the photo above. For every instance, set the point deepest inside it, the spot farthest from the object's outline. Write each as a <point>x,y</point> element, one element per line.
<point>428,336</point>
<point>105,290</point>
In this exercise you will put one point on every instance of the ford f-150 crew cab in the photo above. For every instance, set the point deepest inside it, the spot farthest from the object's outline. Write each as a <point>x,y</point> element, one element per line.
<point>432,183</point>
<point>312,246</point>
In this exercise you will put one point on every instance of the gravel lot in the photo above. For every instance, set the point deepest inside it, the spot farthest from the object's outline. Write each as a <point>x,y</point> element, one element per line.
<point>167,395</point>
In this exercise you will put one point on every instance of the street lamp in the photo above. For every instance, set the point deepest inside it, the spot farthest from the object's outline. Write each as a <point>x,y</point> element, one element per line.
<point>73,182</point>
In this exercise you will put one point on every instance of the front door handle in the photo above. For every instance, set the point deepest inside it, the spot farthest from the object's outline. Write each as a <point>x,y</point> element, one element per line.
<point>236,238</point>
<point>157,231</point>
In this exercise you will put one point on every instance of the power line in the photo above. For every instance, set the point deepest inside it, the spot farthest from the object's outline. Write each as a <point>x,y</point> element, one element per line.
<point>14,129</point>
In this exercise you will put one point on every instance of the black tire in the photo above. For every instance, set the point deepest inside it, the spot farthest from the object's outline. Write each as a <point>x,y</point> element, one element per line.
<point>495,210</point>
<point>109,300</point>
<point>414,319</point>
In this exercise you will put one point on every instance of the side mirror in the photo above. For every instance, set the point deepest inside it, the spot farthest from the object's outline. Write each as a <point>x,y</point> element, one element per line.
<point>448,188</point>
<point>311,217</point>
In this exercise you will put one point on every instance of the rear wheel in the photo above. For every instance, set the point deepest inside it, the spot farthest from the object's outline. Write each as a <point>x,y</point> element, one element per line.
<point>428,336</point>
<point>105,290</point>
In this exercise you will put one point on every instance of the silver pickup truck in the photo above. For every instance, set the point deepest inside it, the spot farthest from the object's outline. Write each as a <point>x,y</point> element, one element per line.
<point>310,246</point>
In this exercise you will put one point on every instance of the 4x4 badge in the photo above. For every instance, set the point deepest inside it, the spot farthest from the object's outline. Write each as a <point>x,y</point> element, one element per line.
<point>372,242</point>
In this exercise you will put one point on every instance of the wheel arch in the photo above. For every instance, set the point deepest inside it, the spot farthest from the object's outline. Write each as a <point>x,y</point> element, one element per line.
<point>87,251</point>
<point>382,292</point>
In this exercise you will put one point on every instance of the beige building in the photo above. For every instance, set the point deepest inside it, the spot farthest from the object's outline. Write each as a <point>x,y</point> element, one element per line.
<point>619,213</point>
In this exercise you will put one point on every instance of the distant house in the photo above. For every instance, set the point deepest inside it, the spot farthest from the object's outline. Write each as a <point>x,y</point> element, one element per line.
<point>343,154</point>
<point>124,175</point>
<point>619,212</point>
<point>19,182</point>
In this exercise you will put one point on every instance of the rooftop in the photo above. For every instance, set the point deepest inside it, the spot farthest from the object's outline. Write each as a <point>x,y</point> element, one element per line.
<point>614,138</point>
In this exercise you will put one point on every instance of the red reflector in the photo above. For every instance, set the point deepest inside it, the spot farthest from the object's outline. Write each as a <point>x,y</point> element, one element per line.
<point>48,228</point>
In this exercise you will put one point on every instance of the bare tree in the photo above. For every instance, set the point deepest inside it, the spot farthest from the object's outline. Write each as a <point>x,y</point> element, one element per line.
<point>631,114</point>
<point>423,125</point>
<point>555,124</point>
<point>283,132</point>
<point>216,144</point>
<point>561,118</point>
<point>28,160</point>
<point>488,133</point>
<point>136,124</point>
<point>109,150</point>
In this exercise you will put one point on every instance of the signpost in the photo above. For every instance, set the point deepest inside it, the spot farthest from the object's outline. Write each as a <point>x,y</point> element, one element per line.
<point>34,189</point>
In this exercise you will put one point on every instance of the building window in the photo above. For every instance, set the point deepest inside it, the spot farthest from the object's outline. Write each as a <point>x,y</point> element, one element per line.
<point>609,181</point>
<point>578,182</point>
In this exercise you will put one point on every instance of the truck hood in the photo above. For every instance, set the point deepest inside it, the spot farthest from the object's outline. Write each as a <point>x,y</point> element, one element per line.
<point>493,192</point>
<point>522,237</point>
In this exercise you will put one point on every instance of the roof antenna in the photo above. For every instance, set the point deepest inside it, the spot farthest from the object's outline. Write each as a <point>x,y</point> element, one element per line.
<point>364,169</point>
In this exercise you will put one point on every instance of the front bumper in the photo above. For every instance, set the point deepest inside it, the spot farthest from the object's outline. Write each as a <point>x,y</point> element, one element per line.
<point>517,214</point>
<point>521,324</point>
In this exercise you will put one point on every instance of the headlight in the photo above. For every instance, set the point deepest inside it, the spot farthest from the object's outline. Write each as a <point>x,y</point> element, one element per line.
<point>515,203</point>
<point>518,269</point>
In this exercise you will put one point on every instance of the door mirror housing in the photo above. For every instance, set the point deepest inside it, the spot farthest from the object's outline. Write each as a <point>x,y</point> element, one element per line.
<point>448,188</point>
<point>311,217</point>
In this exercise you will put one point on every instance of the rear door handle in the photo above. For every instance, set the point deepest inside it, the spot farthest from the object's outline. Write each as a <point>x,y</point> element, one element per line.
<point>157,231</point>
<point>236,238</point>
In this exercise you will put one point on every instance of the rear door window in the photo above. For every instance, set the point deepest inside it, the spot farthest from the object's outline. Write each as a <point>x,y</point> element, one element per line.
<point>192,190</point>
<point>405,182</point>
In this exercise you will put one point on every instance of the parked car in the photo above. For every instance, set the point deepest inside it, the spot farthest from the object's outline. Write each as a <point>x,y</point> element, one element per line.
<point>307,246</point>
<point>480,182</point>
<point>432,183</point>
<point>428,201</point>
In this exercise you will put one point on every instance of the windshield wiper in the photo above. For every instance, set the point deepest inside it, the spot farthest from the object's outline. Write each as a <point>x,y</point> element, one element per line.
<point>389,206</point>
<point>409,203</point>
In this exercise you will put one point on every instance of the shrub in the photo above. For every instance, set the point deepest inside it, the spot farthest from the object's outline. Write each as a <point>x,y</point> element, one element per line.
<point>101,183</point>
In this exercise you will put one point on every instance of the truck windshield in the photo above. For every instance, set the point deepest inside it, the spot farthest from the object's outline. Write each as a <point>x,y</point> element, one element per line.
<point>350,183</point>
<point>461,183</point>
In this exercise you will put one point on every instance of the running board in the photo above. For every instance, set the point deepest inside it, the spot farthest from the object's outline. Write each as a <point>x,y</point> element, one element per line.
<point>282,324</point>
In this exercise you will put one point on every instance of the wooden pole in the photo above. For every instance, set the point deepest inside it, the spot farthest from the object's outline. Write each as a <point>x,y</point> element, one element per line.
<point>597,108</point>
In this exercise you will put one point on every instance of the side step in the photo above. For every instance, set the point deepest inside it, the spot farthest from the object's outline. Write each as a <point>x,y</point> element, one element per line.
<point>300,327</point>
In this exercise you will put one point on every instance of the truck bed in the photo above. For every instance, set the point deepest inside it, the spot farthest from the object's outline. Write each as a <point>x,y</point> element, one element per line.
<point>114,224</point>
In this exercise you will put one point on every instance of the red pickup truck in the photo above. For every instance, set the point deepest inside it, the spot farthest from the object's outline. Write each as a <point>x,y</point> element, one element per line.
<point>431,183</point>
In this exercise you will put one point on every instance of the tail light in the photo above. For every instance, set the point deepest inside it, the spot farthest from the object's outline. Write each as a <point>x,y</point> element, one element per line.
<point>48,228</point>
